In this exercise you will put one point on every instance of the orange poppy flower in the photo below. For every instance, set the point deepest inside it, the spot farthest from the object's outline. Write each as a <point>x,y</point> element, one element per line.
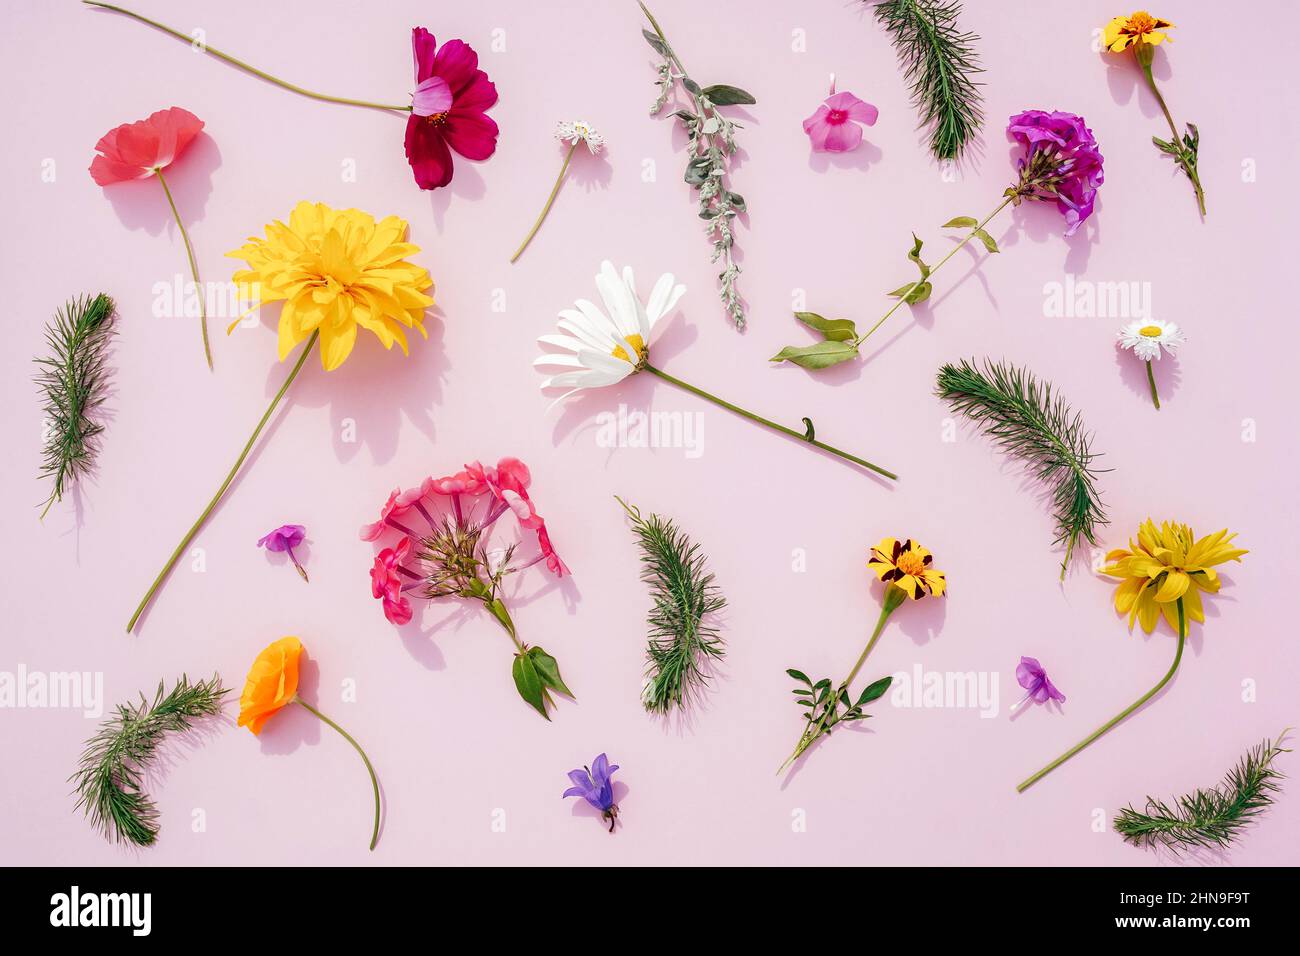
<point>272,683</point>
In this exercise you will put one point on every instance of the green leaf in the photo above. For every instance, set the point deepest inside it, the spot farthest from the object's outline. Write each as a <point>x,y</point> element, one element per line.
<point>818,356</point>
<point>961,222</point>
<point>498,609</point>
<point>914,292</point>
<point>548,670</point>
<point>691,86</point>
<point>874,691</point>
<point>835,330</point>
<point>810,433</point>
<point>686,116</point>
<point>915,256</point>
<point>988,241</point>
<point>799,675</point>
<point>723,95</point>
<point>653,39</point>
<point>529,683</point>
<point>737,201</point>
<point>697,170</point>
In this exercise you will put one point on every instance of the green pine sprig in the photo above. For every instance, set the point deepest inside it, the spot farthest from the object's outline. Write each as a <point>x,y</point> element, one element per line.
<point>939,65</point>
<point>73,381</point>
<point>1213,817</point>
<point>682,638</point>
<point>109,781</point>
<point>1032,422</point>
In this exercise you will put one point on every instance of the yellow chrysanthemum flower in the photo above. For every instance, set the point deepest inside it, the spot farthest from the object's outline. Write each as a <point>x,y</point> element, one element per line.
<point>907,566</point>
<point>1165,564</point>
<point>1141,27</point>
<point>335,270</point>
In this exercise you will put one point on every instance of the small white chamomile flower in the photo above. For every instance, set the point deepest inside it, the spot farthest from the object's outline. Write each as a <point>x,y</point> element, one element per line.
<point>580,131</point>
<point>1146,339</point>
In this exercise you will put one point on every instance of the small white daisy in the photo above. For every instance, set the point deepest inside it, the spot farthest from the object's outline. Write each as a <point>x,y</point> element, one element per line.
<point>1147,338</point>
<point>603,348</point>
<point>580,131</point>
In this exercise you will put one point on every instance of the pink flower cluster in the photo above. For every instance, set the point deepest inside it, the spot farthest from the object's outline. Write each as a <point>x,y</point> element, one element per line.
<point>504,488</point>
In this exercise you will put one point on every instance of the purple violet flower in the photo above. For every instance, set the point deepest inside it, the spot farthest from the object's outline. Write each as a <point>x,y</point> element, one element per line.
<point>285,538</point>
<point>1034,680</point>
<point>593,785</point>
<point>1062,163</point>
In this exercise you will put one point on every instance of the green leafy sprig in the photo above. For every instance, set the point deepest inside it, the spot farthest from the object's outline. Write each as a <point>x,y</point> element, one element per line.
<point>1029,420</point>
<point>682,638</point>
<point>939,65</point>
<point>73,380</point>
<point>109,782</point>
<point>711,141</point>
<point>823,703</point>
<point>1213,817</point>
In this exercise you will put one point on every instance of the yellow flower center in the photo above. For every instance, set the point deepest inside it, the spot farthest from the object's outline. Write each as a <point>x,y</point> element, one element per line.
<point>1151,331</point>
<point>911,563</point>
<point>1141,23</point>
<point>638,346</point>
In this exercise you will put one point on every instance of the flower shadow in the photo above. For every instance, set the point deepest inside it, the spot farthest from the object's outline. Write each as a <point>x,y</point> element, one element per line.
<point>1133,373</point>
<point>467,185</point>
<point>862,158</point>
<point>142,204</point>
<point>294,726</point>
<point>1040,222</point>
<point>1125,80</point>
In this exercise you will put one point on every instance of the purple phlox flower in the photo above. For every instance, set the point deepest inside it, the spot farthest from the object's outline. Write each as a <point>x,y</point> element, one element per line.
<point>1034,680</point>
<point>285,538</point>
<point>1062,163</point>
<point>593,784</point>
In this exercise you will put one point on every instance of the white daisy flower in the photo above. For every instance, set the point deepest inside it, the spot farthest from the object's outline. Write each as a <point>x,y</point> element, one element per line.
<point>580,131</point>
<point>1146,339</point>
<point>603,348</point>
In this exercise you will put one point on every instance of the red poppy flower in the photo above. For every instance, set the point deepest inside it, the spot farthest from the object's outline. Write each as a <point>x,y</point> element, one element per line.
<point>140,150</point>
<point>448,109</point>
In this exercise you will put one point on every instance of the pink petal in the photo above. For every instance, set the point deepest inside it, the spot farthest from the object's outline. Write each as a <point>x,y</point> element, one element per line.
<point>842,138</point>
<point>817,128</point>
<point>423,46</point>
<point>105,172</point>
<point>456,63</point>
<point>857,109</point>
<point>473,135</point>
<point>478,95</point>
<point>371,532</point>
<point>430,97</point>
<point>427,153</point>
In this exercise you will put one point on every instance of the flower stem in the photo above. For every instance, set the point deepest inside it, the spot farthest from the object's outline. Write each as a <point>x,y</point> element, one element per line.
<point>801,436</point>
<point>197,44</point>
<point>374,781</point>
<point>1144,61</point>
<point>951,252</point>
<point>549,202</point>
<point>194,268</point>
<point>1178,656</point>
<point>194,528</point>
<point>1151,377</point>
<point>894,597</point>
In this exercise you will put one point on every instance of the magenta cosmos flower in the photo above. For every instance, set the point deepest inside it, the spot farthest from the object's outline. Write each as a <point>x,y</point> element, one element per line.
<point>448,109</point>
<point>834,128</point>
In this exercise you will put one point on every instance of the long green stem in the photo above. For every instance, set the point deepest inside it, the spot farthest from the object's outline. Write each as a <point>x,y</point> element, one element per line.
<point>893,598</point>
<point>374,781</point>
<point>194,528</point>
<point>244,66</point>
<point>549,202</point>
<point>937,266</point>
<point>801,436</point>
<point>1144,61</point>
<point>194,268</point>
<point>1151,378</point>
<point>1178,656</point>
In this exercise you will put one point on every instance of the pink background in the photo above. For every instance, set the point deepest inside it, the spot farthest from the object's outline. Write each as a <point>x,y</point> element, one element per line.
<point>435,706</point>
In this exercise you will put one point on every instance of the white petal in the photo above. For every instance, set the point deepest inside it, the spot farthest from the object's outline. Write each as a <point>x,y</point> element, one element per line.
<point>559,360</point>
<point>598,319</point>
<point>577,325</point>
<point>563,342</point>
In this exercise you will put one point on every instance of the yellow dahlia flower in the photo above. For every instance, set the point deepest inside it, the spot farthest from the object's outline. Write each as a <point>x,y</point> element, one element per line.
<point>1141,27</point>
<point>335,270</point>
<point>1165,564</point>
